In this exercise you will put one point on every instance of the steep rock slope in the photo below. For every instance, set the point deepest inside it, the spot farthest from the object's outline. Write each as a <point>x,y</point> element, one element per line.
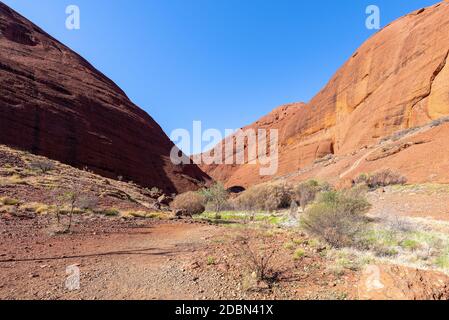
<point>54,103</point>
<point>396,80</point>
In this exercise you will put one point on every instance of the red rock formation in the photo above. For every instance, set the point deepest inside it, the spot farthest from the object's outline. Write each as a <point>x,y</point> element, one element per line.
<point>54,103</point>
<point>398,79</point>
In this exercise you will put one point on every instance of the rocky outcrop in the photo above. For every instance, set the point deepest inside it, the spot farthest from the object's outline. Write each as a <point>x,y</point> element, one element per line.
<point>398,79</point>
<point>54,103</point>
<point>389,282</point>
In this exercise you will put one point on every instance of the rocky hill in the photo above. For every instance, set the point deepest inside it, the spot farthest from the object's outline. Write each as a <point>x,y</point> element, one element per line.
<point>397,80</point>
<point>54,103</point>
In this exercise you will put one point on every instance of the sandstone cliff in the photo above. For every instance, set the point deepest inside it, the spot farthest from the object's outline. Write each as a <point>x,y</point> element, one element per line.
<point>398,79</point>
<point>54,103</point>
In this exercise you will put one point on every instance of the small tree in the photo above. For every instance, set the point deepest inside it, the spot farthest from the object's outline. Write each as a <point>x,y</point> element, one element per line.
<point>216,196</point>
<point>41,165</point>
<point>71,199</point>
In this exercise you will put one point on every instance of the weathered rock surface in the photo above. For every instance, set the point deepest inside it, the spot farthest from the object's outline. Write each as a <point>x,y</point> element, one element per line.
<point>388,282</point>
<point>54,103</point>
<point>397,79</point>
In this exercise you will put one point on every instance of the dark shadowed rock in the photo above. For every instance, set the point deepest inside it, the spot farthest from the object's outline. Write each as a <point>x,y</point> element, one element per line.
<point>54,103</point>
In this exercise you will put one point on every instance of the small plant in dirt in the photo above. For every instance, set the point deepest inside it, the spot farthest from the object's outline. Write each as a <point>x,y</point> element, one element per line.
<point>42,165</point>
<point>258,255</point>
<point>9,201</point>
<point>210,261</point>
<point>299,254</point>
<point>290,245</point>
<point>337,217</point>
<point>216,198</point>
<point>110,212</point>
<point>190,203</point>
<point>69,201</point>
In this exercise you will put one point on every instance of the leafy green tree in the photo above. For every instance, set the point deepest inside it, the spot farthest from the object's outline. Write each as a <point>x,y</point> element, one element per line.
<point>217,197</point>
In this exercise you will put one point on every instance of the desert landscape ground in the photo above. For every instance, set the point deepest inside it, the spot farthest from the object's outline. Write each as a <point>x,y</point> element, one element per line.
<point>129,245</point>
<point>359,209</point>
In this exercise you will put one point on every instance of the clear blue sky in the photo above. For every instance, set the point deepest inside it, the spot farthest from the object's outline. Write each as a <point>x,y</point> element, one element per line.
<point>224,62</point>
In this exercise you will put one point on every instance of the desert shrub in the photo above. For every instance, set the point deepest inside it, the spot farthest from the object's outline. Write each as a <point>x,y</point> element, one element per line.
<point>210,261</point>
<point>42,165</point>
<point>299,254</point>
<point>258,255</point>
<point>361,179</point>
<point>110,212</point>
<point>216,198</point>
<point>267,197</point>
<point>189,202</point>
<point>337,217</point>
<point>9,201</point>
<point>306,192</point>
<point>385,178</point>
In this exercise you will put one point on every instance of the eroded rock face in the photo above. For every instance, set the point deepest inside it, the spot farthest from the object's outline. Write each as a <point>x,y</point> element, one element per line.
<point>54,103</point>
<point>398,79</point>
<point>388,282</point>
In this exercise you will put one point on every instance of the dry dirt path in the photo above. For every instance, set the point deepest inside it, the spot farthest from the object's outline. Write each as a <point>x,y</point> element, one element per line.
<point>137,263</point>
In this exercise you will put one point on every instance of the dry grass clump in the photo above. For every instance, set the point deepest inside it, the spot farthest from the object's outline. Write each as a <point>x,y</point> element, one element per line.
<point>143,214</point>
<point>266,197</point>
<point>189,202</point>
<point>277,196</point>
<point>111,212</point>
<point>38,208</point>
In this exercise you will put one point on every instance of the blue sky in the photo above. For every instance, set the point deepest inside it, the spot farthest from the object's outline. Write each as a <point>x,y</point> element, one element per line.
<point>224,62</point>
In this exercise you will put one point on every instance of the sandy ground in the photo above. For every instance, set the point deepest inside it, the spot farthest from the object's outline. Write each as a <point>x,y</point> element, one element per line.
<point>122,262</point>
<point>144,259</point>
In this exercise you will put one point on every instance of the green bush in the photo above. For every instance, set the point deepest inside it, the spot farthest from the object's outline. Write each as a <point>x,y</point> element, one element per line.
<point>110,212</point>
<point>216,198</point>
<point>338,217</point>
<point>299,254</point>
